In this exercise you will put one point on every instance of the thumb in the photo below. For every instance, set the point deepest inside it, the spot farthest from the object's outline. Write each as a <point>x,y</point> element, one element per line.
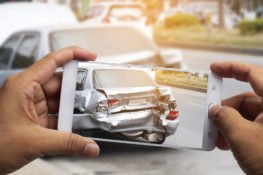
<point>228,120</point>
<point>56,143</point>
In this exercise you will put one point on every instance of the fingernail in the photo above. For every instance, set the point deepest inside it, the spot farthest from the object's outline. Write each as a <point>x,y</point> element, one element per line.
<point>91,150</point>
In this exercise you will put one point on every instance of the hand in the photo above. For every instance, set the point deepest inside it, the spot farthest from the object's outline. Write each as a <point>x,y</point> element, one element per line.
<point>240,121</point>
<point>26,99</point>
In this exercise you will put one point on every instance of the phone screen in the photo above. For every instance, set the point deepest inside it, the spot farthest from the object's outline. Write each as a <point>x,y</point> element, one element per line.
<point>156,106</point>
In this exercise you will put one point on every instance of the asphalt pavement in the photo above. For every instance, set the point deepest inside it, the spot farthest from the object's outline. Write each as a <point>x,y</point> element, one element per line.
<point>122,159</point>
<point>191,106</point>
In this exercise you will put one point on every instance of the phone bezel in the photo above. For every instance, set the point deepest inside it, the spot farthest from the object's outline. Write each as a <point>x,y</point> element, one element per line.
<point>65,119</point>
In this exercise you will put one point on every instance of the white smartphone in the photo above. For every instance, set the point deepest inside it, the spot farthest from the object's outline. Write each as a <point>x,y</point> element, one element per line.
<point>139,105</point>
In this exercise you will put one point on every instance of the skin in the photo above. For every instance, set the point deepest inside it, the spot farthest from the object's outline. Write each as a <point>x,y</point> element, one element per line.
<point>28,132</point>
<point>240,118</point>
<point>26,99</point>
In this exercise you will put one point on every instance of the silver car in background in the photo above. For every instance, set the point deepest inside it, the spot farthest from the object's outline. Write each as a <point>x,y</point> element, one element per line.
<point>121,44</point>
<point>130,105</point>
<point>116,12</point>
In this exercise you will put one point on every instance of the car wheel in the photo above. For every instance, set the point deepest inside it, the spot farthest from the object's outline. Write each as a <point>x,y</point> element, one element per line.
<point>155,137</point>
<point>132,134</point>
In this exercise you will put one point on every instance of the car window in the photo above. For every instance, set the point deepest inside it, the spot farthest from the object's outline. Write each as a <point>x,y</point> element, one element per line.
<point>7,50</point>
<point>110,78</point>
<point>94,12</point>
<point>26,52</point>
<point>81,79</point>
<point>122,11</point>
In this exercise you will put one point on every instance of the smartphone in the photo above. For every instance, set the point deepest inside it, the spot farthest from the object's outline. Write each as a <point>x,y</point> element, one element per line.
<point>151,106</point>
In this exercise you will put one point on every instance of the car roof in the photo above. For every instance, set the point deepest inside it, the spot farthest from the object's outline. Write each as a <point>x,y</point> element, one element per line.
<point>55,28</point>
<point>18,16</point>
<point>108,66</point>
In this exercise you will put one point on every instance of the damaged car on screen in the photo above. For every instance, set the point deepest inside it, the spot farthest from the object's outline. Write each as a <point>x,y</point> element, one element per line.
<point>130,105</point>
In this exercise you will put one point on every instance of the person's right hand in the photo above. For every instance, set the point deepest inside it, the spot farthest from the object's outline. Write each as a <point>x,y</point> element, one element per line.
<point>240,120</point>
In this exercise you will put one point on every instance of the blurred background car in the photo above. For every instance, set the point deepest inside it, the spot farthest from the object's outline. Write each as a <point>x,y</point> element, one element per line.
<point>24,15</point>
<point>113,43</point>
<point>116,12</point>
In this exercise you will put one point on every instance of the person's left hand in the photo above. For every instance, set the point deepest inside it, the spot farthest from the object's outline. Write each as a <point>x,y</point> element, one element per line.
<point>26,99</point>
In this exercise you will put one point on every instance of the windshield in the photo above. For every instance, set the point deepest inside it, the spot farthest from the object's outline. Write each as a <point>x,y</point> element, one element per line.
<point>109,78</point>
<point>105,41</point>
<point>122,11</point>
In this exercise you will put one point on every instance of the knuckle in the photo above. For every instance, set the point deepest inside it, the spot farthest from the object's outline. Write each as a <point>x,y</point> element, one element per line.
<point>72,47</point>
<point>224,111</point>
<point>74,145</point>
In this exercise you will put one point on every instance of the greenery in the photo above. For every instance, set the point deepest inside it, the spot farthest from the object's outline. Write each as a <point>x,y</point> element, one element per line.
<point>201,35</point>
<point>247,27</point>
<point>182,78</point>
<point>181,19</point>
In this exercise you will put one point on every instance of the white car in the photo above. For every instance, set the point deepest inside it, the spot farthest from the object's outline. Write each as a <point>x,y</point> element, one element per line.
<point>21,15</point>
<point>116,12</point>
<point>134,108</point>
<point>112,43</point>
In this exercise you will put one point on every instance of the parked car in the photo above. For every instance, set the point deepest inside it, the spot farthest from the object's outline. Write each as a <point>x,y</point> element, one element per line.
<point>22,15</point>
<point>116,12</point>
<point>134,107</point>
<point>113,43</point>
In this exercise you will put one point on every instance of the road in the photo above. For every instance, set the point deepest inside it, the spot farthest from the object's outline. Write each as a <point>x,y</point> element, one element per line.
<point>191,106</point>
<point>122,159</point>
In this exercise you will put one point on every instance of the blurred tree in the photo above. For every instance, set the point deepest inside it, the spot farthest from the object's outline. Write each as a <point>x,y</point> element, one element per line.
<point>153,8</point>
<point>236,6</point>
<point>221,14</point>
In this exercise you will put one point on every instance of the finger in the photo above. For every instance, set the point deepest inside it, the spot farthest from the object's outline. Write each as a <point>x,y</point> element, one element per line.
<point>44,69</point>
<point>228,121</point>
<point>243,72</point>
<point>42,111</point>
<point>53,105</point>
<point>248,104</point>
<point>56,143</point>
<point>221,142</point>
<point>43,120</point>
<point>53,86</point>
<point>52,121</point>
<point>41,107</point>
